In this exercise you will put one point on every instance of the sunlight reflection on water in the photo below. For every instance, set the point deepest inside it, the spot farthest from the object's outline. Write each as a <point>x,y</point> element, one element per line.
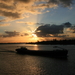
<point>33,66</point>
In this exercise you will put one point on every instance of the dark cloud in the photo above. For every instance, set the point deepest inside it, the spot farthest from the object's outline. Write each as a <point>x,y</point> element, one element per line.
<point>10,14</point>
<point>67,24</point>
<point>5,6</point>
<point>13,34</point>
<point>65,3</point>
<point>10,34</point>
<point>51,30</point>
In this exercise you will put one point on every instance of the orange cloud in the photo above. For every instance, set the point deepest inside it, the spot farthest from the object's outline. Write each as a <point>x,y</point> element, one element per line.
<point>30,23</point>
<point>14,9</point>
<point>4,24</point>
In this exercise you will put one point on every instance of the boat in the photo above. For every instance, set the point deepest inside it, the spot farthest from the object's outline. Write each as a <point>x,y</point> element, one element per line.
<point>52,53</point>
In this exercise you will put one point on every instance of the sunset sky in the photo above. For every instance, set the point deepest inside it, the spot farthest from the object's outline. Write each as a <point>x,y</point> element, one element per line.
<point>33,20</point>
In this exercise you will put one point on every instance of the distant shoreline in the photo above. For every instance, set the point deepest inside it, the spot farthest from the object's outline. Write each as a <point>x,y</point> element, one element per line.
<point>41,43</point>
<point>52,42</point>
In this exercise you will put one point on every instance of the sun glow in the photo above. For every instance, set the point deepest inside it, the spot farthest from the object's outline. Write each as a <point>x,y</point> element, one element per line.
<point>34,35</point>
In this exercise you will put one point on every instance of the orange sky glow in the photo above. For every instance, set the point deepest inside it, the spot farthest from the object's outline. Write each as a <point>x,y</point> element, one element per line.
<point>36,20</point>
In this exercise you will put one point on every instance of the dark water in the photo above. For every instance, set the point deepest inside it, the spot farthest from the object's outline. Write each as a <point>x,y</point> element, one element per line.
<point>12,63</point>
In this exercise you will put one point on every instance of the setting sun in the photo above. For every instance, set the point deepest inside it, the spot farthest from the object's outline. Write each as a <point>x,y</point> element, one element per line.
<point>34,35</point>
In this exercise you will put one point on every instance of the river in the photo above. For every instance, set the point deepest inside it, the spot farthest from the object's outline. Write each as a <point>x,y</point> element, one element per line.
<point>12,63</point>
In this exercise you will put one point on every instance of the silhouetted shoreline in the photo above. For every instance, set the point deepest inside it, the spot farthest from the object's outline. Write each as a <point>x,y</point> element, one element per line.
<point>51,42</point>
<point>56,42</point>
<point>12,43</point>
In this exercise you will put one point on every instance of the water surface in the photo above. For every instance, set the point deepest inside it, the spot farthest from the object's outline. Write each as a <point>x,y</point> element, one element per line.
<point>12,63</point>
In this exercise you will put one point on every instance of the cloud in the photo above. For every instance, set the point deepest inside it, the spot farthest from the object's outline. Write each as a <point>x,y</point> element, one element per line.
<point>33,23</point>
<point>27,23</point>
<point>14,9</point>
<point>67,24</point>
<point>10,14</point>
<point>71,29</point>
<point>20,22</point>
<point>13,34</point>
<point>51,30</point>
<point>65,3</point>
<point>4,24</point>
<point>6,20</point>
<point>24,34</point>
<point>30,23</point>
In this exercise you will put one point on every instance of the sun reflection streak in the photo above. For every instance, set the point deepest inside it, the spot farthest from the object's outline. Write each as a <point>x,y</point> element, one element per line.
<point>33,65</point>
<point>35,45</point>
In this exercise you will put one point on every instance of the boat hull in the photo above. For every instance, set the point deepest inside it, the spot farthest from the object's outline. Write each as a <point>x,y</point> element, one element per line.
<point>53,53</point>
